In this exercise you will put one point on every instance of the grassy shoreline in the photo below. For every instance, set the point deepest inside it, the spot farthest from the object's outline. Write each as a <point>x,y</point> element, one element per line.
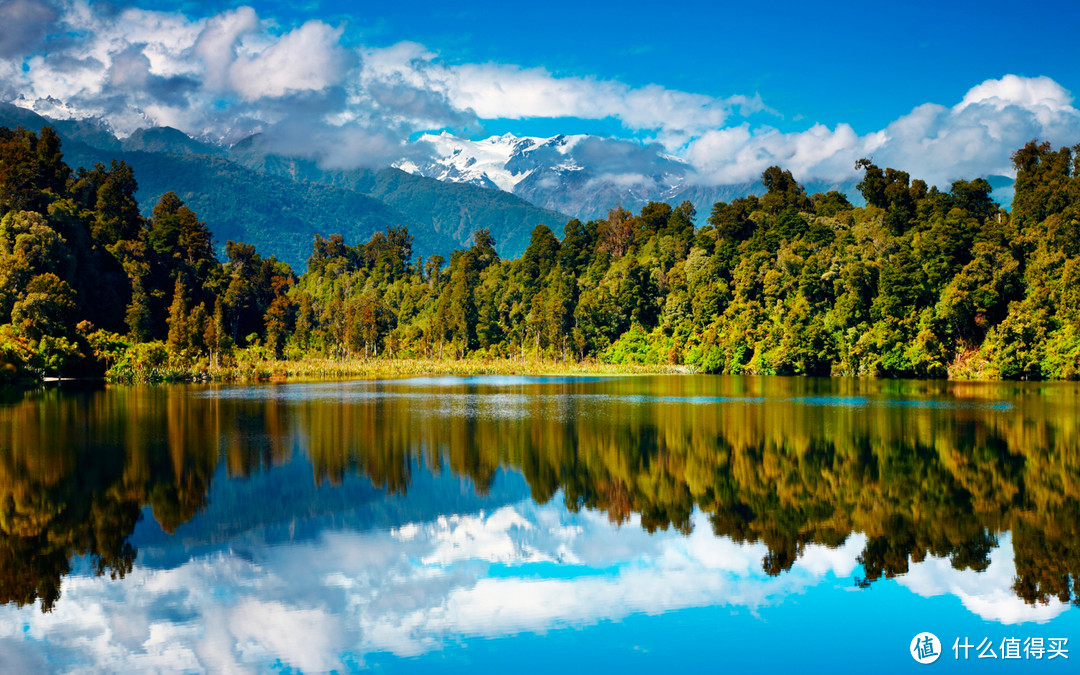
<point>309,369</point>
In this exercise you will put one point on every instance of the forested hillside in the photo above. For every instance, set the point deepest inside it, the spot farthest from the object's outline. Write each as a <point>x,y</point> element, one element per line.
<point>918,283</point>
<point>452,211</point>
<point>279,205</point>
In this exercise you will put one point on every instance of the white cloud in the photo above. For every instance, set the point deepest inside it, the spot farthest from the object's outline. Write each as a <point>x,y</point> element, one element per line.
<point>217,43</point>
<point>318,604</point>
<point>243,69</point>
<point>503,91</point>
<point>306,59</point>
<point>987,594</point>
<point>307,639</point>
<point>233,73</point>
<point>978,135</point>
<point>1031,93</point>
<point>738,154</point>
<point>933,142</point>
<point>208,77</point>
<point>496,538</point>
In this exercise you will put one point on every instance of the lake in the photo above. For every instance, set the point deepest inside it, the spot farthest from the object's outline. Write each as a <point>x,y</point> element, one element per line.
<point>536,524</point>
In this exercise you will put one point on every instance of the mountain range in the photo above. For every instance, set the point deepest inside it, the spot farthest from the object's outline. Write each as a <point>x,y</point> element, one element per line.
<point>279,204</point>
<point>585,176</point>
<point>581,175</point>
<point>507,184</point>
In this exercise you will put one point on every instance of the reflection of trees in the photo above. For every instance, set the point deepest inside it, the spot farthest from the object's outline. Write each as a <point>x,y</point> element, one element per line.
<point>917,481</point>
<point>334,433</point>
<point>75,472</point>
<point>1048,557</point>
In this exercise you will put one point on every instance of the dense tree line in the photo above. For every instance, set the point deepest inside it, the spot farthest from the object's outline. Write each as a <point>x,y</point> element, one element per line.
<point>86,281</point>
<point>918,283</point>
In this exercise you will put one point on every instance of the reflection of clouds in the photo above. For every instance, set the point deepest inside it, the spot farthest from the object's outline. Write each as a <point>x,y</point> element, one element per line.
<point>840,561</point>
<point>988,594</point>
<point>308,639</point>
<point>322,604</point>
<point>500,537</point>
<point>21,656</point>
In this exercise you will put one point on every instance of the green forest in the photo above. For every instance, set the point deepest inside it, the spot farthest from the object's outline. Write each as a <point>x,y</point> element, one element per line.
<point>917,283</point>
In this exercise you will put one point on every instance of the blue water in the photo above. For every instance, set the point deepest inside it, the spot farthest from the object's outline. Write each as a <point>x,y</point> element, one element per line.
<point>283,569</point>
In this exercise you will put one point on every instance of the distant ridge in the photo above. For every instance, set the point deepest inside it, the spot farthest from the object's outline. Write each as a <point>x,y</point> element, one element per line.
<point>586,176</point>
<point>168,140</point>
<point>581,175</point>
<point>453,210</point>
<point>261,202</point>
<point>506,184</point>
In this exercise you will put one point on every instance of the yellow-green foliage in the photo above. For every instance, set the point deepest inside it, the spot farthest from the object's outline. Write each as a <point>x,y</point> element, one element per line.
<point>920,282</point>
<point>254,364</point>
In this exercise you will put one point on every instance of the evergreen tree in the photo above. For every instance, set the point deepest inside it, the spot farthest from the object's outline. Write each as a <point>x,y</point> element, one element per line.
<point>179,326</point>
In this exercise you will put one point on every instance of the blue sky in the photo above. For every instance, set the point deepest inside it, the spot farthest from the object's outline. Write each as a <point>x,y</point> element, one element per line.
<point>726,88</point>
<point>862,63</point>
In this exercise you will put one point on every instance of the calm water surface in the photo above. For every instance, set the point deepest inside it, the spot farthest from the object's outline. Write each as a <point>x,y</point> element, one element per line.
<point>532,524</point>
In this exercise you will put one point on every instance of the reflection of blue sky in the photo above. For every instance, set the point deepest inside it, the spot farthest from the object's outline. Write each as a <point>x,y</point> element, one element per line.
<point>988,595</point>
<point>494,580</point>
<point>518,397</point>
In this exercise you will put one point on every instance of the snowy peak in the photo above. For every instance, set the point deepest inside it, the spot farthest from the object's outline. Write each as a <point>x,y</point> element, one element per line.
<point>578,174</point>
<point>54,108</point>
<point>499,162</point>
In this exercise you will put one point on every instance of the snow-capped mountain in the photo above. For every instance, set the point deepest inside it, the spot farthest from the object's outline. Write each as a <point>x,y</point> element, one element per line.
<point>56,109</point>
<point>580,175</point>
<point>500,162</point>
<point>584,176</point>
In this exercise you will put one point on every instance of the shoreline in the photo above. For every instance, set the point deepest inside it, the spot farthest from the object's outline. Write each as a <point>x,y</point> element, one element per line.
<point>314,369</point>
<point>263,370</point>
<point>379,368</point>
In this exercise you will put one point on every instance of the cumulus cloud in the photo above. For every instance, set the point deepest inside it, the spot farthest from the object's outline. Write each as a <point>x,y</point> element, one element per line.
<point>217,43</point>
<point>318,604</point>
<point>308,58</point>
<point>408,591</point>
<point>338,146</point>
<point>499,91</point>
<point>25,22</point>
<point>977,136</point>
<point>234,71</point>
<point>220,78</point>
<point>937,143</point>
<point>738,154</point>
<point>988,594</point>
<point>626,161</point>
<point>229,75</point>
<point>506,91</point>
<point>1039,94</point>
<point>264,632</point>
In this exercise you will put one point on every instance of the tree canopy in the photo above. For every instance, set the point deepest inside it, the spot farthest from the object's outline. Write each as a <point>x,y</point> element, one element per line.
<point>918,283</point>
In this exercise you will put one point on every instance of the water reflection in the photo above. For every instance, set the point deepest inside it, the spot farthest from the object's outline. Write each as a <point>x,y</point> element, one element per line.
<point>339,600</point>
<point>894,475</point>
